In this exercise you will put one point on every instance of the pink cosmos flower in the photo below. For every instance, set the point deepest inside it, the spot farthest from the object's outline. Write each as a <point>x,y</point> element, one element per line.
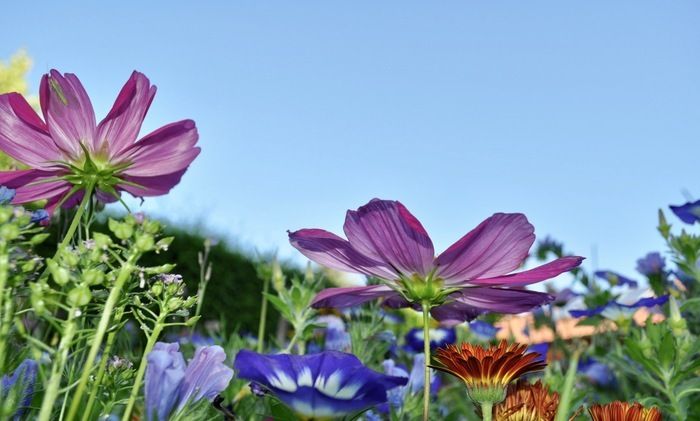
<point>469,278</point>
<point>68,150</point>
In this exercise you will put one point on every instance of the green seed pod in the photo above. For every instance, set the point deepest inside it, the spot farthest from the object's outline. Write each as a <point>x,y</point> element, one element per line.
<point>79,296</point>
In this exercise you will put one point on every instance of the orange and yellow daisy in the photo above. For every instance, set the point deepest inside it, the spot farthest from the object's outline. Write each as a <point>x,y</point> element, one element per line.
<point>527,402</point>
<point>487,371</point>
<point>624,411</point>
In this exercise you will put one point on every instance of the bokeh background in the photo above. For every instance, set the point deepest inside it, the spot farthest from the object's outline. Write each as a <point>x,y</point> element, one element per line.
<point>582,115</point>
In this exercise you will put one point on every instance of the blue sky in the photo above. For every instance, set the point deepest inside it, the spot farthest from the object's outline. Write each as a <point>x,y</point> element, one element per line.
<point>583,115</point>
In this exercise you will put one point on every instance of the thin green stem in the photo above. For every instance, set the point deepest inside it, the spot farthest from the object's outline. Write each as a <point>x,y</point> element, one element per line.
<point>59,363</point>
<point>102,367</point>
<point>142,368</point>
<point>567,391</point>
<point>5,325</point>
<point>4,271</point>
<point>426,350</point>
<point>78,215</point>
<point>114,294</point>
<point>487,411</point>
<point>263,316</point>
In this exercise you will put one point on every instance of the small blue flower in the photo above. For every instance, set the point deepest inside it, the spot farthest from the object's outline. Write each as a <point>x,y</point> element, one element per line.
<point>21,382</point>
<point>483,330</point>
<point>6,195</point>
<point>615,278</point>
<point>205,377</point>
<point>651,264</point>
<point>597,372</point>
<point>688,212</point>
<point>329,384</point>
<point>439,337</point>
<point>39,216</point>
<point>542,349</point>
<point>618,309</point>
<point>169,381</point>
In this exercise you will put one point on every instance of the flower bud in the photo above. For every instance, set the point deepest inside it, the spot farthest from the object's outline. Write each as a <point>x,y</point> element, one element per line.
<point>144,242</point>
<point>156,289</point>
<point>121,230</point>
<point>678,325</point>
<point>79,296</point>
<point>101,240</point>
<point>174,303</point>
<point>60,274</point>
<point>93,277</point>
<point>9,232</point>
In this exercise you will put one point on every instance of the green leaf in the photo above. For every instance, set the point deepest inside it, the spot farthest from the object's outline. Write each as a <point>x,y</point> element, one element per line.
<point>692,304</point>
<point>667,350</point>
<point>688,388</point>
<point>279,305</point>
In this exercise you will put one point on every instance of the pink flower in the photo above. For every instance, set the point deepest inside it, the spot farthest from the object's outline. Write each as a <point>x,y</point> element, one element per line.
<point>68,151</point>
<point>469,278</point>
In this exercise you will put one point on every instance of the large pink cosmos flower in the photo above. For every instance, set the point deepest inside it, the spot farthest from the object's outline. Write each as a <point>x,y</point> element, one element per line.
<point>68,152</point>
<point>469,278</point>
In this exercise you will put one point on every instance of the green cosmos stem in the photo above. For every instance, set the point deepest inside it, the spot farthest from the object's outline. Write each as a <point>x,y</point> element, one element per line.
<point>152,339</point>
<point>4,326</point>
<point>78,216</point>
<point>59,363</point>
<point>426,350</point>
<point>114,294</point>
<point>567,392</point>
<point>263,316</point>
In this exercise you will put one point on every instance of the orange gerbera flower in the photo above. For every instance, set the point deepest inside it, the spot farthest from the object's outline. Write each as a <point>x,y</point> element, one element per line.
<point>487,371</point>
<point>527,402</point>
<point>624,411</point>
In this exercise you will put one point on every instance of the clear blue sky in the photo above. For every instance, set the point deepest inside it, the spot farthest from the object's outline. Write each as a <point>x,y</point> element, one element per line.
<point>583,115</point>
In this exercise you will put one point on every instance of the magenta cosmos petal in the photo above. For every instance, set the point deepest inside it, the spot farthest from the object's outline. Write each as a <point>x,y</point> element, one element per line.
<point>387,232</point>
<point>152,186</point>
<point>352,296</point>
<point>497,246</point>
<point>471,302</point>
<point>329,250</point>
<point>121,126</point>
<point>23,135</point>
<point>165,151</point>
<point>68,112</point>
<point>540,273</point>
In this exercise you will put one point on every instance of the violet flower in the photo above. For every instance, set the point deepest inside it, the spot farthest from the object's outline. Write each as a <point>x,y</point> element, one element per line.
<point>652,264</point>
<point>688,212</point>
<point>483,330</point>
<point>69,151</point>
<point>469,278</point>
<point>318,386</point>
<point>20,385</point>
<point>623,307</point>
<point>6,195</point>
<point>615,278</point>
<point>170,384</point>
<point>439,337</point>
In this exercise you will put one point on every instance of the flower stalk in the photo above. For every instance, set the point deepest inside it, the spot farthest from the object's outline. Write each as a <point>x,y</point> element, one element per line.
<point>114,295</point>
<point>567,391</point>
<point>59,363</point>
<point>426,350</point>
<point>263,315</point>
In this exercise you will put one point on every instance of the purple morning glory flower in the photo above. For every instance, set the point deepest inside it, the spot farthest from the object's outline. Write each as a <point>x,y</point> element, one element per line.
<point>324,385</point>
<point>688,213</point>
<point>619,309</point>
<point>439,337</point>
<point>615,278</point>
<point>68,147</point>
<point>40,215</point>
<point>6,195</point>
<point>169,382</point>
<point>205,377</point>
<point>542,349</point>
<point>469,278</point>
<point>483,330</point>
<point>21,382</point>
<point>651,264</point>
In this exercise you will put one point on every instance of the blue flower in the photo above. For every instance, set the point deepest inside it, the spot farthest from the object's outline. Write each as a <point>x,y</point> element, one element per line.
<point>439,337</point>
<point>336,337</point>
<point>165,370</point>
<point>651,264</point>
<point>542,349</point>
<point>6,195</point>
<point>688,213</point>
<point>169,381</point>
<point>21,385</point>
<point>205,377</point>
<point>597,372</point>
<point>321,385</point>
<point>619,309</point>
<point>39,216</point>
<point>483,330</point>
<point>615,278</point>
